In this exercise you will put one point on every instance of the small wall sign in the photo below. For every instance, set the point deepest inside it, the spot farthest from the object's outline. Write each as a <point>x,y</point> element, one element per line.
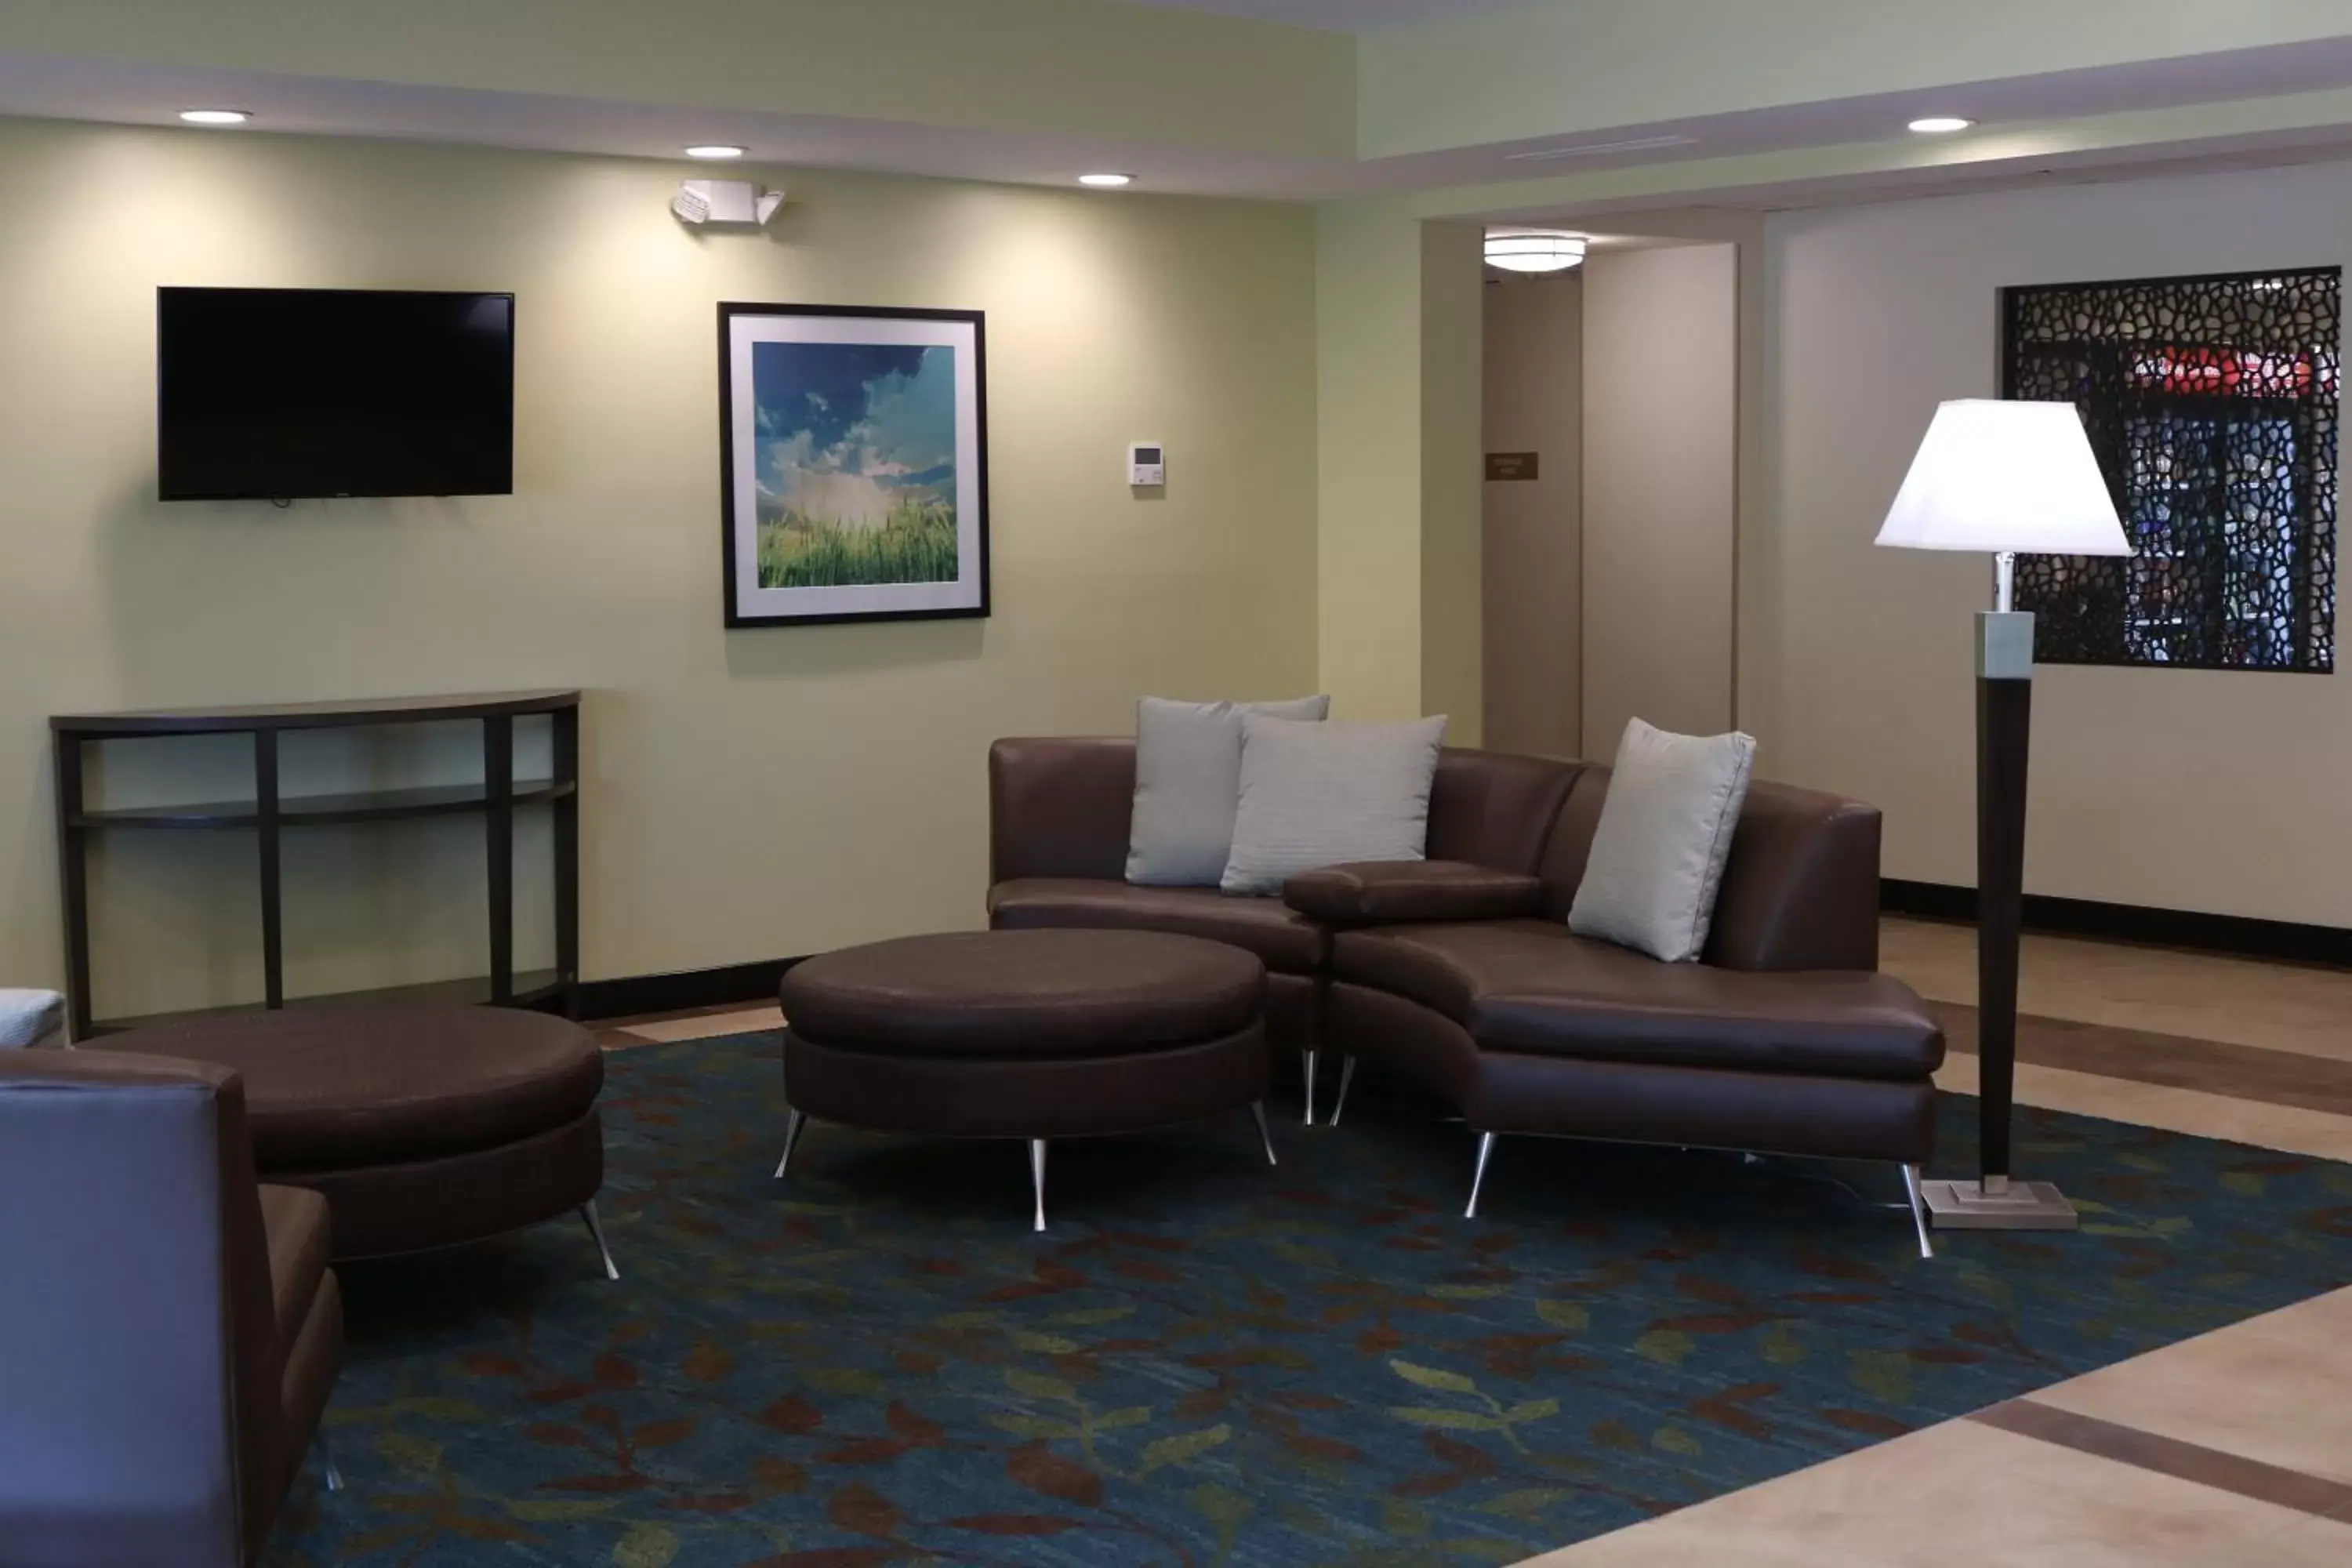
<point>1502,466</point>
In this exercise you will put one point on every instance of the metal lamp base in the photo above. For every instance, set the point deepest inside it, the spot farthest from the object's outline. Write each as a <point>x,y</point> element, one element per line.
<point>2012,1205</point>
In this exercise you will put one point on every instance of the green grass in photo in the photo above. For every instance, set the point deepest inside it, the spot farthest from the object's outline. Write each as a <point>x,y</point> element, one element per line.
<point>916,543</point>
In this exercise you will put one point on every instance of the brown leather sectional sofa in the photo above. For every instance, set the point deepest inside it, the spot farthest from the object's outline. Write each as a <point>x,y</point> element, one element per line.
<point>1459,973</point>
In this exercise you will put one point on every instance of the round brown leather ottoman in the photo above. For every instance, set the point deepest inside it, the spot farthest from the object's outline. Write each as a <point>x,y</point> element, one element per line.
<point>1024,1034</point>
<point>421,1126</point>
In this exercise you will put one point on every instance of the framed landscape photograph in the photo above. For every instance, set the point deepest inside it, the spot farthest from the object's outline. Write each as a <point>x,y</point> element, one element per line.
<point>854,442</point>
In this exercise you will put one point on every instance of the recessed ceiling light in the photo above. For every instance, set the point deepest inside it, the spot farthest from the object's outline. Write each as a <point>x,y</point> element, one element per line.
<point>215,116</point>
<point>1106,181</point>
<point>716,150</point>
<point>1940,124</point>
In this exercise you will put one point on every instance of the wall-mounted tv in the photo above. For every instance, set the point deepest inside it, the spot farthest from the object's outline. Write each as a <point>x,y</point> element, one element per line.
<point>279,394</point>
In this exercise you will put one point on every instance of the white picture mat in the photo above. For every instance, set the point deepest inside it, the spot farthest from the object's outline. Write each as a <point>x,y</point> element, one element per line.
<point>750,599</point>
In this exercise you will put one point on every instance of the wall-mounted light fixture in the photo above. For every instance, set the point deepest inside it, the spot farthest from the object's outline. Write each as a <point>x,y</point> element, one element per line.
<point>737,202</point>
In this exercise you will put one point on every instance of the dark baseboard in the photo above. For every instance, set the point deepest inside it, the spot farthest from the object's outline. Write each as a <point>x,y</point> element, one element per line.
<point>1927,901</point>
<point>2233,934</point>
<point>632,996</point>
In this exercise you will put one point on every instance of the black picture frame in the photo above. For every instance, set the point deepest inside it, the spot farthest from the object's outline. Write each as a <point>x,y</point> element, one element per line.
<point>750,603</point>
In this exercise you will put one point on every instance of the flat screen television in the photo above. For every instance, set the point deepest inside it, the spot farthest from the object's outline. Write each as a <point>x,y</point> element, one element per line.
<point>279,394</point>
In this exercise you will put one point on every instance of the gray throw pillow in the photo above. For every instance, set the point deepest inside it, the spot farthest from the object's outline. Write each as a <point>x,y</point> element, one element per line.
<point>1665,833</point>
<point>29,1018</point>
<point>1188,781</point>
<point>1323,794</point>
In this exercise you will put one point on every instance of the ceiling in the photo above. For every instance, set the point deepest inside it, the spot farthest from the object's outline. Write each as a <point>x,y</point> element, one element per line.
<point>2017,115</point>
<point>1338,16</point>
<point>119,93</point>
<point>1219,106</point>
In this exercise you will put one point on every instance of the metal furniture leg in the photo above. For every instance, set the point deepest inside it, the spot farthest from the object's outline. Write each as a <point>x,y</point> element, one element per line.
<point>1037,1177</point>
<point>792,1125</point>
<point>1918,1209</point>
<point>1347,1077</point>
<point>588,1212</point>
<point>1478,1176</point>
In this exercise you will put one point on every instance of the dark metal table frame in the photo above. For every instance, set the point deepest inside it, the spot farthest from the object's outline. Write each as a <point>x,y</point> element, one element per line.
<point>269,813</point>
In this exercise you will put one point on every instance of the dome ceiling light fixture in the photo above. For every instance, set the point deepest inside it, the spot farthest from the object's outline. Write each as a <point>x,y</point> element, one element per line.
<point>1534,250</point>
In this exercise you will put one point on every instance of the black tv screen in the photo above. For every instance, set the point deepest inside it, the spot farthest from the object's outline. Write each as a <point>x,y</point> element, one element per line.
<point>285,393</point>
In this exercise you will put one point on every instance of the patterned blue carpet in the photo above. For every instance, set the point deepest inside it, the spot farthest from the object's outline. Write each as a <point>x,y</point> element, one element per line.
<point>1209,1362</point>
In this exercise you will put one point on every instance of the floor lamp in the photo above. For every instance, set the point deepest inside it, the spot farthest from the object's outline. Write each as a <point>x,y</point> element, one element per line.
<point>2002,477</point>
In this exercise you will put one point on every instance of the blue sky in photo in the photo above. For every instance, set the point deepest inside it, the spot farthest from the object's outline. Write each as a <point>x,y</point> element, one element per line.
<point>846,430</point>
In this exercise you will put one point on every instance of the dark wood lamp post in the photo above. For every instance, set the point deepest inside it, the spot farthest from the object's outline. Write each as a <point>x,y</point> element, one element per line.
<point>2005,479</point>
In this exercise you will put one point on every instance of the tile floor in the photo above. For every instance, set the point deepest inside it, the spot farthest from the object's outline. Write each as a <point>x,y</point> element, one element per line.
<point>702,1024</point>
<point>2234,1448</point>
<point>2200,996</point>
<point>2222,1048</point>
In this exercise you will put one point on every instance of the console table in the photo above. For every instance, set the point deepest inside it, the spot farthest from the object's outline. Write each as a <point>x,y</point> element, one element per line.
<point>268,815</point>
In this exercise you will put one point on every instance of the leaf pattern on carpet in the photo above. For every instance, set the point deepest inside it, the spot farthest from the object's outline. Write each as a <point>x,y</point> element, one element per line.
<point>1208,1362</point>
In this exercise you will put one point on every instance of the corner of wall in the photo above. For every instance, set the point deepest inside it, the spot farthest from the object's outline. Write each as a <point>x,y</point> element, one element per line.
<point>1368,459</point>
<point>1452,584</point>
<point>1398,348</point>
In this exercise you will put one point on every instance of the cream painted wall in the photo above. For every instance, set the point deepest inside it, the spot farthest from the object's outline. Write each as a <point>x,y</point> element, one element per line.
<point>1661,490</point>
<point>2192,790</point>
<point>1397,345</point>
<point>750,794</point>
<point>1368,310</point>
<point>1534,529</point>
<point>1453,268</point>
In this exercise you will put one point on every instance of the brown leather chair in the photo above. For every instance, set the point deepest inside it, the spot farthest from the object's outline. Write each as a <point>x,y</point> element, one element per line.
<point>169,1329</point>
<point>1460,973</point>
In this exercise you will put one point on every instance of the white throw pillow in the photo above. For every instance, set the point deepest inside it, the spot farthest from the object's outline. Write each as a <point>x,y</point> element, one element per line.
<point>1665,833</point>
<point>1322,794</point>
<point>1188,783</point>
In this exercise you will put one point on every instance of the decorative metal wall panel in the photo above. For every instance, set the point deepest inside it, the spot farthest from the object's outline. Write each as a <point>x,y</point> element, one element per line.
<point>2212,403</point>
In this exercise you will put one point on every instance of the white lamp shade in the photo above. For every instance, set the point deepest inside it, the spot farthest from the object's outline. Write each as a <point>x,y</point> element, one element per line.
<point>1995,476</point>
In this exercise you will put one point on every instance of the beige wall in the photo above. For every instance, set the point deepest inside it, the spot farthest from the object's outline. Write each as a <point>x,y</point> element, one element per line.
<point>1397,352</point>
<point>750,794</point>
<point>1533,570</point>
<point>2192,790</point>
<point>1453,295</point>
<point>1367,311</point>
<point>1660,489</point>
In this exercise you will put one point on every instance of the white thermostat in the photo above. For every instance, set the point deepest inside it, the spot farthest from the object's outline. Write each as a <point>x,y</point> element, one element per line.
<point>1146,463</point>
